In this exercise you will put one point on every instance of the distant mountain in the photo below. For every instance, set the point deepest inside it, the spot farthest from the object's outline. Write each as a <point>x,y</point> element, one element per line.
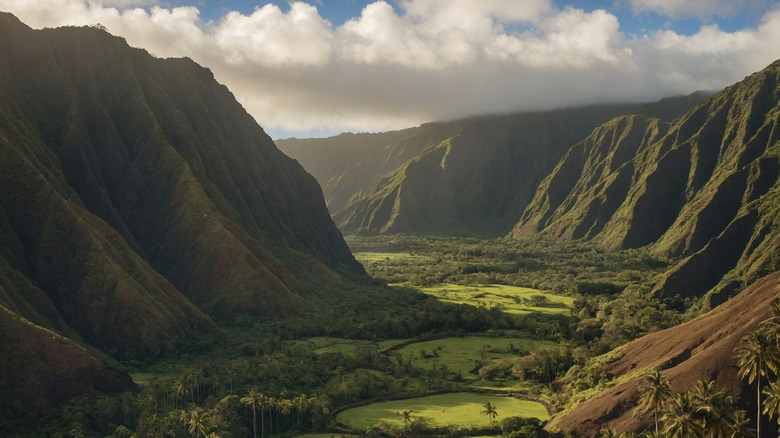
<point>349,165</point>
<point>472,176</point>
<point>139,200</point>
<point>702,348</point>
<point>703,187</point>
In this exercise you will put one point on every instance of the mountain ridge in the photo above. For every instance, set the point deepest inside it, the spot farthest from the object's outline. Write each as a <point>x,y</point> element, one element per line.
<point>703,188</point>
<point>141,204</point>
<point>493,164</point>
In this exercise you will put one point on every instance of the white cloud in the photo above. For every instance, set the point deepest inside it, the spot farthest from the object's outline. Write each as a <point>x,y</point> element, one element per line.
<point>124,4</point>
<point>272,38</point>
<point>387,69</point>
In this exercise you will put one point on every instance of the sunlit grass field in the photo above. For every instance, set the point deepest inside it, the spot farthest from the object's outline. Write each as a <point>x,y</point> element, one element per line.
<point>461,409</point>
<point>369,257</point>
<point>144,379</point>
<point>511,299</point>
<point>461,354</point>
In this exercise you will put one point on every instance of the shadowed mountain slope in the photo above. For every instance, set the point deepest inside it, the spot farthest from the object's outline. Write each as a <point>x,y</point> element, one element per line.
<point>702,348</point>
<point>704,187</point>
<point>138,197</point>
<point>465,177</point>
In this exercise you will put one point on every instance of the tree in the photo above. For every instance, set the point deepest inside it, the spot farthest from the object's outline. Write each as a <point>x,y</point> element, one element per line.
<point>756,358</point>
<point>681,420</point>
<point>608,432</point>
<point>254,400</point>
<point>713,407</point>
<point>197,422</point>
<point>740,425</point>
<point>301,404</point>
<point>654,393</point>
<point>406,417</point>
<point>772,325</point>
<point>491,412</point>
<point>180,386</point>
<point>772,401</point>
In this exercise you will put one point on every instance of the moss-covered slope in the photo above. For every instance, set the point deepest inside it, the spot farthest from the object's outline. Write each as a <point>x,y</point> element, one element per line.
<point>465,177</point>
<point>46,368</point>
<point>704,187</point>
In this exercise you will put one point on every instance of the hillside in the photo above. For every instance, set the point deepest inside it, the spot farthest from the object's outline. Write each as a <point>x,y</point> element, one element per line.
<point>703,187</point>
<point>465,177</point>
<point>139,204</point>
<point>702,348</point>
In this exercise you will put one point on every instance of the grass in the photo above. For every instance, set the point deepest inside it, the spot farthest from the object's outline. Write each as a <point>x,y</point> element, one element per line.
<point>144,379</point>
<point>373,257</point>
<point>460,409</point>
<point>461,354</point>
<point>510,299</point>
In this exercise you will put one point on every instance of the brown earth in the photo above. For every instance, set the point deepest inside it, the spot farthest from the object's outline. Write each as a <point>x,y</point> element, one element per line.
<point>702,348</point>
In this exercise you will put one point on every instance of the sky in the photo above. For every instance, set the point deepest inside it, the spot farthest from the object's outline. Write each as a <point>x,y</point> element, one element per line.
<point>319,67</point>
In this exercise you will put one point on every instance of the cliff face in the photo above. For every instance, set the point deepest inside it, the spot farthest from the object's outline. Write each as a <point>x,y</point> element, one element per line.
<point>703,187</point>
<point>138,197</point>
<point>466,177</point>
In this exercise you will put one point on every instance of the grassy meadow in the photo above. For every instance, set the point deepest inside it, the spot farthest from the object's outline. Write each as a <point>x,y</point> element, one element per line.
<point>463,354</point>
<point>514,300</point>
<point>460,409</point>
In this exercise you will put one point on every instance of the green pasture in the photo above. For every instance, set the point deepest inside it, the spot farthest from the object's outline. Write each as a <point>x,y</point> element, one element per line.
<point>461,354</point>
<point>511,299</point>
<point>144,379</point>
<point>460,409</point>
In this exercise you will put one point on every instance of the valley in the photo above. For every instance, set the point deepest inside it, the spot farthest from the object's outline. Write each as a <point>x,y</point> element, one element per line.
<point>439,351</point>
<point>167,269</point>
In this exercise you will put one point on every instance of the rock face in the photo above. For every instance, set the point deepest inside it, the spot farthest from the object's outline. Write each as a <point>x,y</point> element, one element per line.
<point>137,198</point>
<point>702,348</point>
<point>466,177</point>
<point>703,187</point>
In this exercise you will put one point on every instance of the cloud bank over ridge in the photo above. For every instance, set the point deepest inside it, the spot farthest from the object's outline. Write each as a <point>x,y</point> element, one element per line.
<point>401,64</point>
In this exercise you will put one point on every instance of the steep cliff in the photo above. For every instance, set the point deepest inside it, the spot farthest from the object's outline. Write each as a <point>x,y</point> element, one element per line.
<point>140,202</point>
<point>703,187</point>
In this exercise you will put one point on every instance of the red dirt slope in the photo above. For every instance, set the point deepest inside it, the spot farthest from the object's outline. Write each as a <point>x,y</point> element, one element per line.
<point>700,348</point>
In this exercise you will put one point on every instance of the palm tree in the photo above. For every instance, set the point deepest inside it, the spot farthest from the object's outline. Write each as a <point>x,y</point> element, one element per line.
<point>755,360</point>
<point>681,420</point>
<point>180,386</point>
<point>772,325</point>
<point>713,407</point>
<point>197,422</point>
<point>654,393</point>
<point>301,404</point>
<point>491,412</point>
<point>608,432</point>
<point>740,425</point>
<point>285,408</point>
<point>253,399</point>
<point>406,417</point>
<point>772,402</point>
